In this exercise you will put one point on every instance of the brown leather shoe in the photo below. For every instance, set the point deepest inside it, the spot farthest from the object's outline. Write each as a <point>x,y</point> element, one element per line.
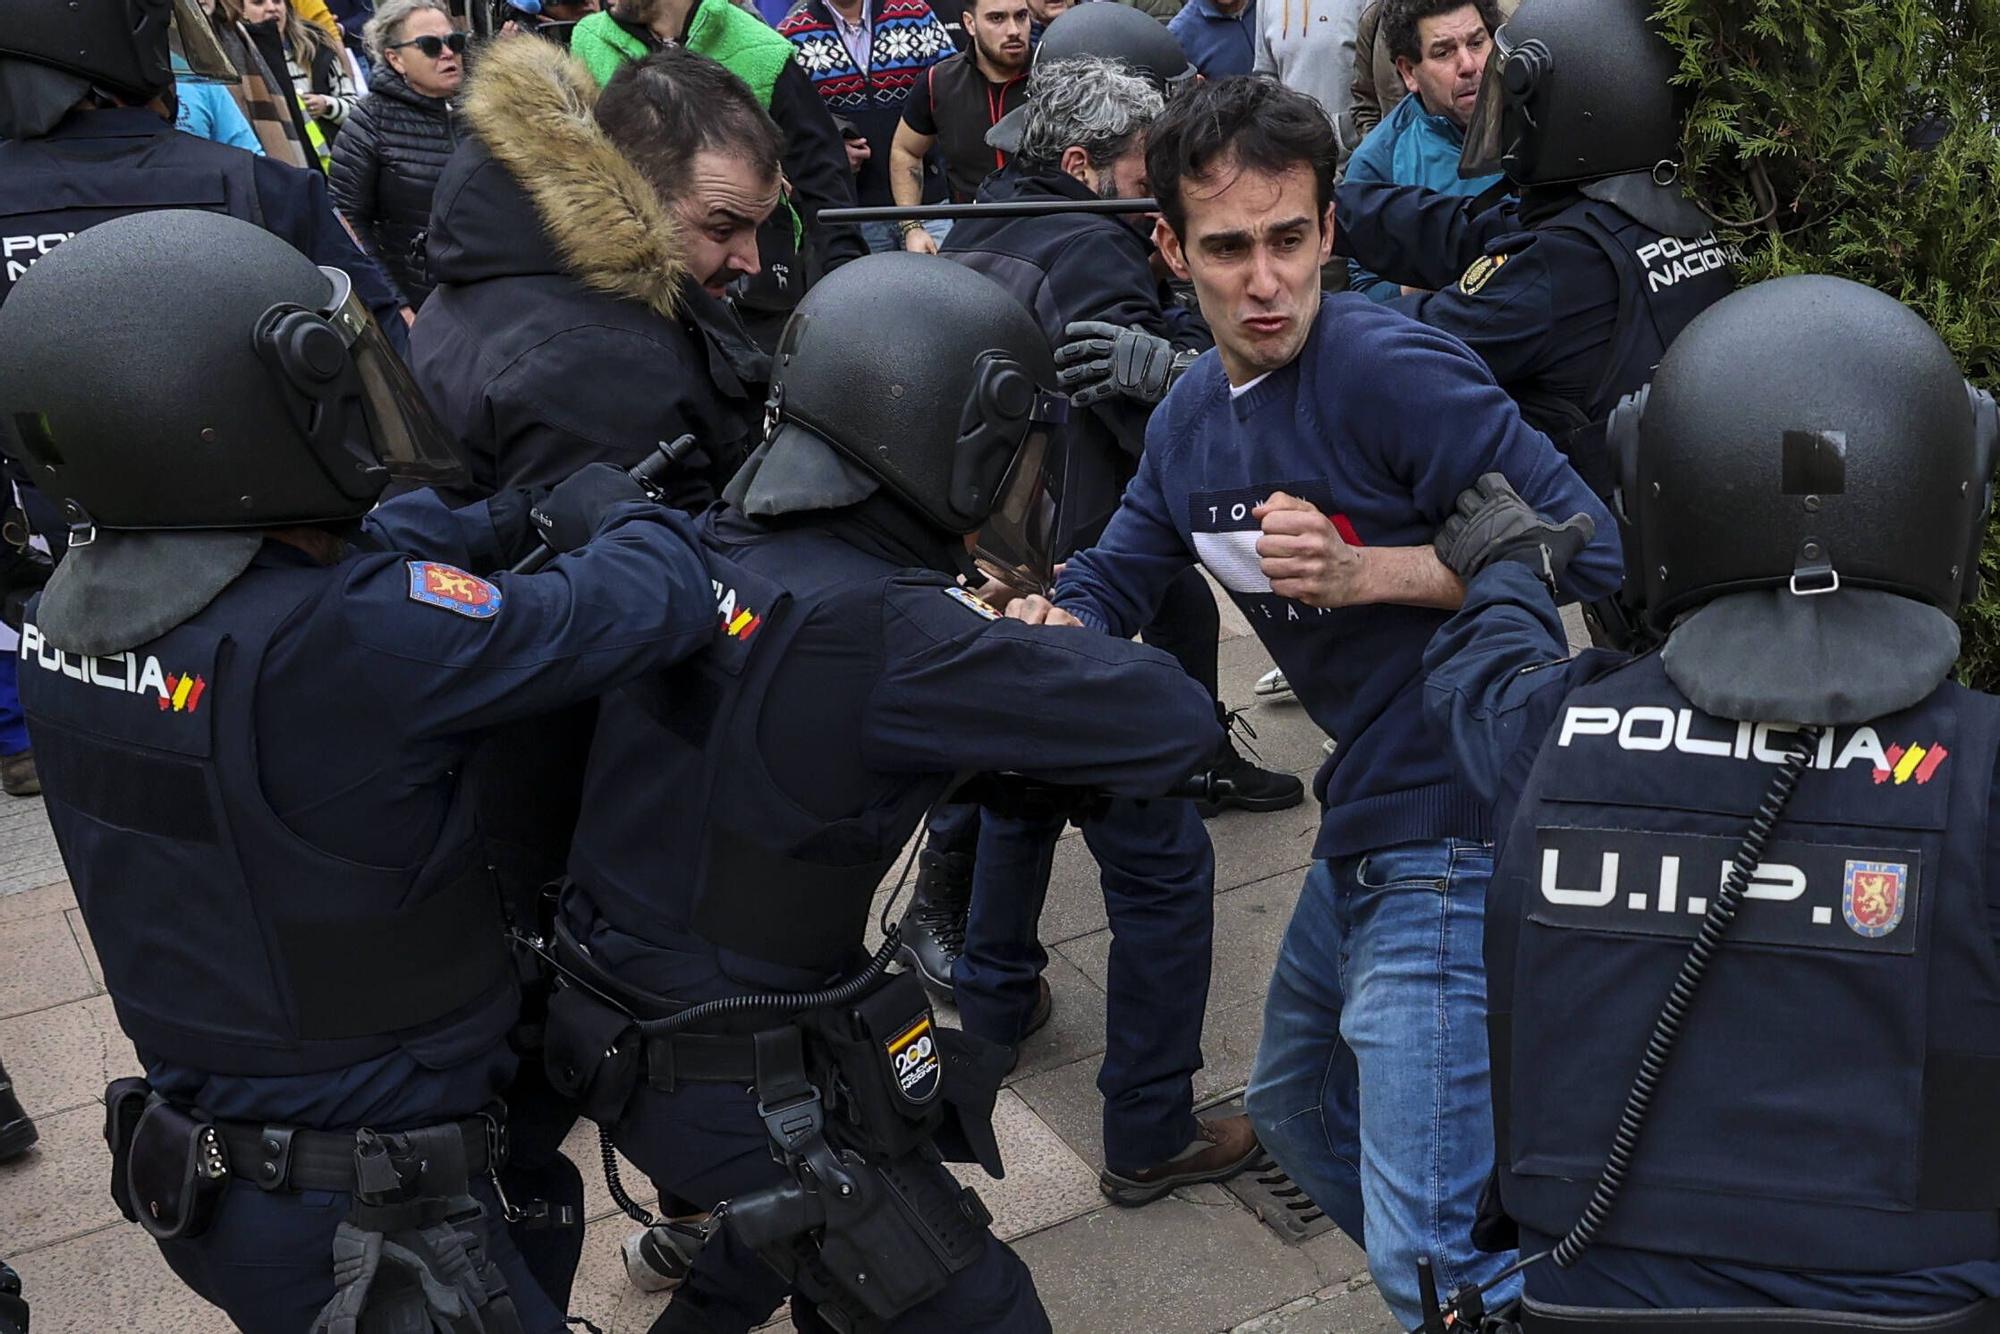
<point>1221,1148</point>
<point>17,775</point>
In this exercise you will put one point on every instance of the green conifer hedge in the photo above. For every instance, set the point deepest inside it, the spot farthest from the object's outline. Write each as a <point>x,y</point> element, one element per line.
<point>1861,138</point>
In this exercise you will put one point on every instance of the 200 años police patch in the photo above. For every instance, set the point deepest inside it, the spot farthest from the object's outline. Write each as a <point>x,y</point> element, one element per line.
<point>1480,273</point>
<point>439,585</point>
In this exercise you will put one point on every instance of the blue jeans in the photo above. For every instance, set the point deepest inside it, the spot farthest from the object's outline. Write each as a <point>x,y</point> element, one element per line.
<point>882,236</point>
<point>1370,1086</point>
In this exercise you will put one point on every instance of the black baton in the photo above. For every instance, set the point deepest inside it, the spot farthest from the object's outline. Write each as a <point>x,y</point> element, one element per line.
<point>1005,208</point>
<point>650,473</point>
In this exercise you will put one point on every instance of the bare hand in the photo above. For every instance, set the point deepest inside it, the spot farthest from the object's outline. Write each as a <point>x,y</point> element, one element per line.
<point>858,152</point>
<point>318,104</point>
<point>1304,555</point>
<point>1038,610</point>
<point>995,593</point>
<point>919,242</point>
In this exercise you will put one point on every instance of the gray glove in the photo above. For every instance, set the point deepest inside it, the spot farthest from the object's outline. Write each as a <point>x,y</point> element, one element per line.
<point>1493,523</point>
<point>1101,360</point>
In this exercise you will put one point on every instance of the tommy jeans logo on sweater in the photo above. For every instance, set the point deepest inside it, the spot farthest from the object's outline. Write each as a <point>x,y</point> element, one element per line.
<point>1225,532</point>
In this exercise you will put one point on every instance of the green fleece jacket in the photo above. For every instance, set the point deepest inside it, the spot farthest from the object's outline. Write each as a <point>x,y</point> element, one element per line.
<point>738,41</point>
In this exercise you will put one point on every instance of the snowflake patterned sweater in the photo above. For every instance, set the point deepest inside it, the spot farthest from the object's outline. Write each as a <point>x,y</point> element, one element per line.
<point>907,40</point>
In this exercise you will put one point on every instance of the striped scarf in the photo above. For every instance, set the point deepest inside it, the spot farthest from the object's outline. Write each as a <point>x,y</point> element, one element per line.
<point>908,39</point>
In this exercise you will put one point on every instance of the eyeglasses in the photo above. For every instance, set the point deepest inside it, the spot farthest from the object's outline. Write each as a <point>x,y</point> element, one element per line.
<point>435,46</point>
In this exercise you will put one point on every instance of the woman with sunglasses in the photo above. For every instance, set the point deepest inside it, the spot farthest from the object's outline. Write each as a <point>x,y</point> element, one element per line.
<point>390,153</point>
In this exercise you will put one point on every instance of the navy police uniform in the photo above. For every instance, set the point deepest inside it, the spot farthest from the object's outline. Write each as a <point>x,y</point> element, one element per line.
<point>1822,1138</point>
<point>262,815</point>
<point>99,165</point>
<point>1570,300</point>
<point>742,808</point>
<point>1155,860</point>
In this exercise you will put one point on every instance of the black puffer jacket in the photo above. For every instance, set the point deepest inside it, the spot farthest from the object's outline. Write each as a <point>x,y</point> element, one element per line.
<point>386,165</point>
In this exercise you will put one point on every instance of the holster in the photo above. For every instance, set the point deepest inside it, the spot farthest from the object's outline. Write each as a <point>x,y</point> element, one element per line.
<point>1542,1318</point>
<point>871,1224</point>
<point>591,1052</point>
<point>896,1079</point>
<point>168,1165</point>
<point>410,1255</point>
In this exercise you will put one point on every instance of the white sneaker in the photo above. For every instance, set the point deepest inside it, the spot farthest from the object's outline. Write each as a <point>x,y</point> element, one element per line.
<point>658,1259</point>
<point>1328,746</point>
<point>1273,685</point>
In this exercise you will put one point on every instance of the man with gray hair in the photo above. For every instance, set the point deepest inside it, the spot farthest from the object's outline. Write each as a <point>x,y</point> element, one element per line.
<point>1085,139</point>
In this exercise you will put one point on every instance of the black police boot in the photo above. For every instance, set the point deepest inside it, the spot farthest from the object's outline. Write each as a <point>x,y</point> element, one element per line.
<point>933,927</point>
<point>17,1132</point>
<point>1249,787</point>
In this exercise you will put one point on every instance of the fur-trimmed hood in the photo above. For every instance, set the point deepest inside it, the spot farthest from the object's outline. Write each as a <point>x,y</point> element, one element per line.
<point>593,215</point>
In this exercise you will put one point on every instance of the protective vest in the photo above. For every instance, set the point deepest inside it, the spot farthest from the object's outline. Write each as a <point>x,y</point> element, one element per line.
<point>1663,283</point>
<point>727,852</point>
<point>51,189</point>
<point>1829,1106</point>
<point>228,943</point>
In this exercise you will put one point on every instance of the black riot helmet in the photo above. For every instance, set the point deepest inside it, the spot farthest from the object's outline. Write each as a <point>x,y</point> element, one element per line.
<point>186,370</point>
<point>1130,36</point>
<point>1808,434</point>
<point>1576,90</point>
<point>119,45</point>
<point>912,374</point>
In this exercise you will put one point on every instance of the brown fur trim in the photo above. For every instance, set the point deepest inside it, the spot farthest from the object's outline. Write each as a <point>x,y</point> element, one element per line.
<point>530,103</point>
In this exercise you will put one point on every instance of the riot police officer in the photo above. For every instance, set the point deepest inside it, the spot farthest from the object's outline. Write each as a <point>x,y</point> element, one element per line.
<point>1781,820</point>
<point>1573,292</point>
<point>252,712</point>
<point>740,810</point>
<point>87,134</point>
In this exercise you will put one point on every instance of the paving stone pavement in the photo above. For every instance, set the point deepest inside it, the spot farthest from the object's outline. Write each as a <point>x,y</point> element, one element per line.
<point>1196,1262</point>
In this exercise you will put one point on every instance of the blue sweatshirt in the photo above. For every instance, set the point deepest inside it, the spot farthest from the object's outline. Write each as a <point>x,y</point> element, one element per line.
<point>1380,422</point>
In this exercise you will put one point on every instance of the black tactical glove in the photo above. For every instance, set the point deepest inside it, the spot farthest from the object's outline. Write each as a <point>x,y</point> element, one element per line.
<point>1493,523</point>
<point>569,515</point>
<point>1101,360</point>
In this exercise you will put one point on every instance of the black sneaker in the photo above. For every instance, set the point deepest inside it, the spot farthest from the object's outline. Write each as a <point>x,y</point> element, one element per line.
<point>933,928</point>
<point>17,1132</point>
<point>1245,786</point>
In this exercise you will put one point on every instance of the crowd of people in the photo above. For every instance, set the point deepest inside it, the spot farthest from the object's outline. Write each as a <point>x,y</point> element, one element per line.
<point>685,450</point>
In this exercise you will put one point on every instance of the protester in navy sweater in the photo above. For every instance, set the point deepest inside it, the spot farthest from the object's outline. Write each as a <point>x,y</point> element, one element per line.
<point>1306,463</point>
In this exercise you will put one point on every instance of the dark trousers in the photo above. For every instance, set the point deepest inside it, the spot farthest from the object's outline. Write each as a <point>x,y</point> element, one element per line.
<point>538,1120</point>
<point>1157,870</point>
<point>267,1260</point>
<point>705,1143</point>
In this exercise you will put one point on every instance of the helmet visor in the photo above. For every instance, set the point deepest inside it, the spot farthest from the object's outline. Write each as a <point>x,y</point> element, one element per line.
<point>1485,144</point>
<point>407,439</point>
<point>1017,543</point>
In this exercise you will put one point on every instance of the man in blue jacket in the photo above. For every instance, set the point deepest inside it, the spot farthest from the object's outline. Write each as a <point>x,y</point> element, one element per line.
<point>1440,48</point>
<point>1303,464</point>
